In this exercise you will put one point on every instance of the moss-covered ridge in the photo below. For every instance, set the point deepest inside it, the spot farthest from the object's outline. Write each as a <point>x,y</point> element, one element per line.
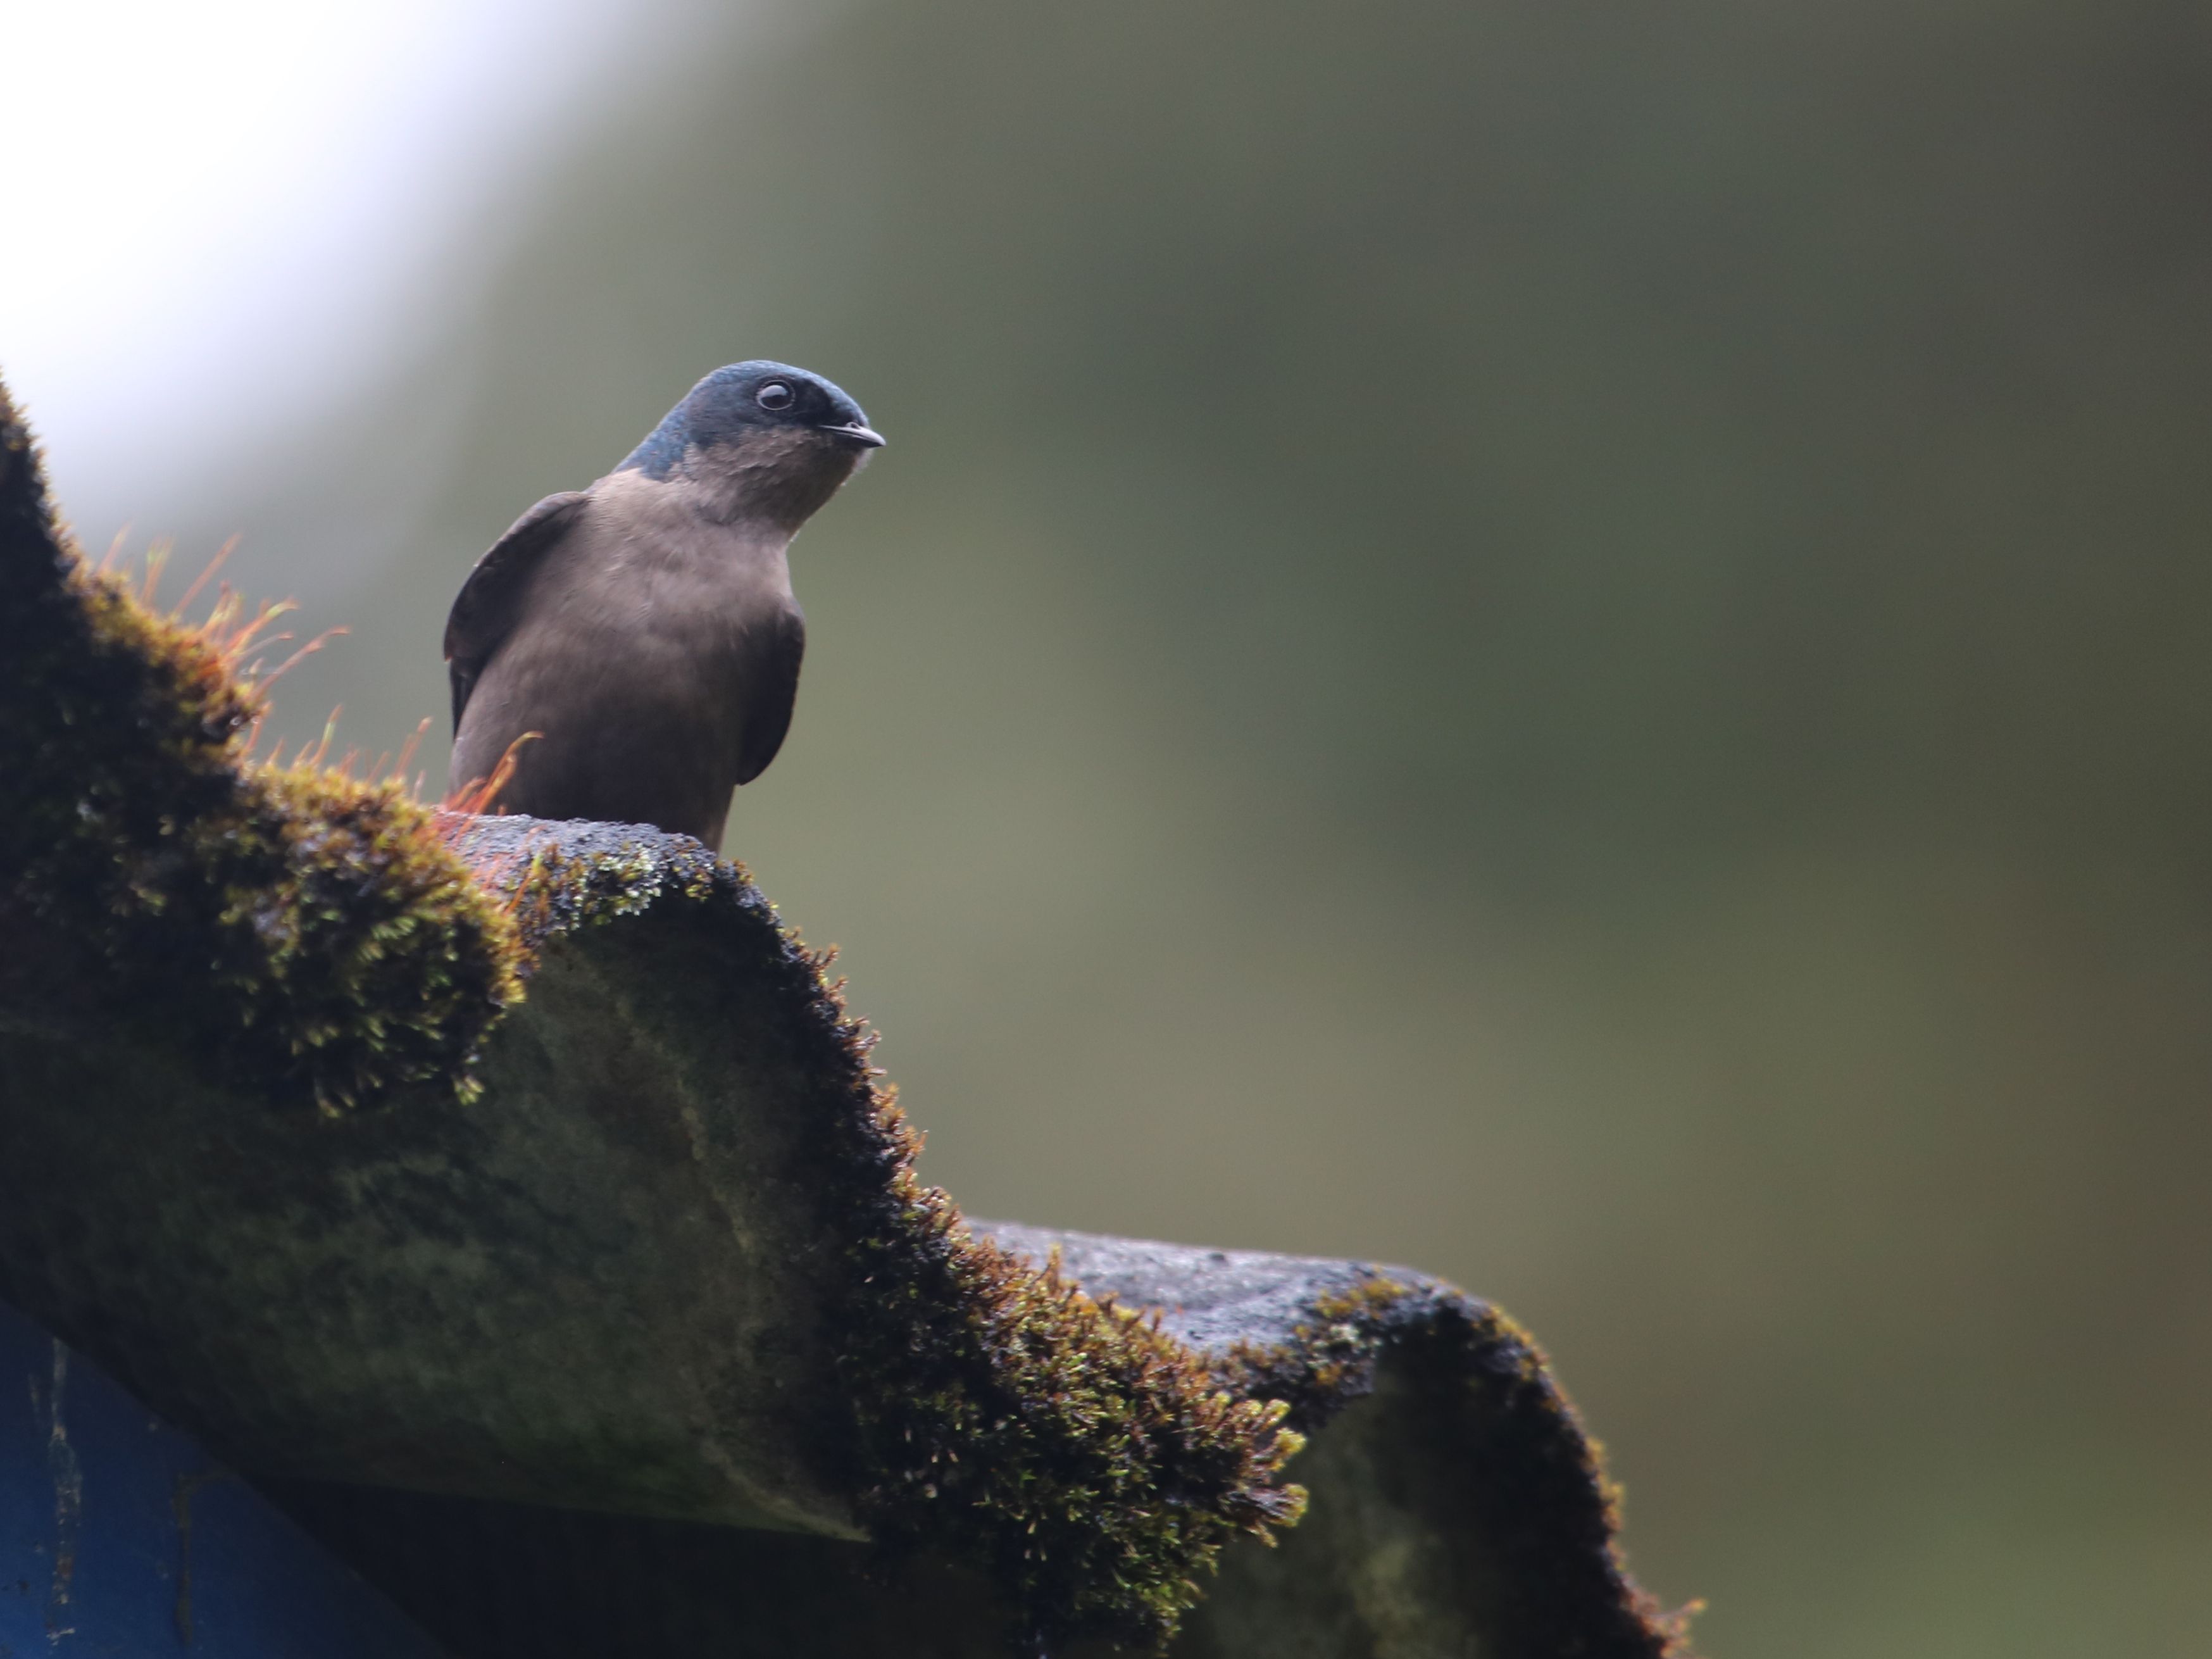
<point>1458,1502</point>
<point>297,929</point>
<point>1066,1444</point>
<point>1542,1495</point>
<point>996,1414</point>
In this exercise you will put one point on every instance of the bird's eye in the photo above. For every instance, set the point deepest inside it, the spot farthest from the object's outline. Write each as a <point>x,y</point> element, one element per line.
<point>775,394</point>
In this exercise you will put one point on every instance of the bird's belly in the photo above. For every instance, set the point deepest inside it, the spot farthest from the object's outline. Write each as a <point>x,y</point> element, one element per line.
<point>639,720</point>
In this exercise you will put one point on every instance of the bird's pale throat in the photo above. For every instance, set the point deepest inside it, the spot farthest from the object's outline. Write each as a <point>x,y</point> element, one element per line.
<point>782,475</point>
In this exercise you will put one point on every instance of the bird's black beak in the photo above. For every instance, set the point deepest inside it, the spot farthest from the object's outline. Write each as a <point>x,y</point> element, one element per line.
<point>859,436</point>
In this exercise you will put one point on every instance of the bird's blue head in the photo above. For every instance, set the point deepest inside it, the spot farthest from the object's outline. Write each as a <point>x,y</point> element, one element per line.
<point>778,414</point>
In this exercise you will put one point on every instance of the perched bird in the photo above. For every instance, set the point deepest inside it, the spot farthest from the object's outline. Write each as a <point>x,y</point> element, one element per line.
<point>645,628</point>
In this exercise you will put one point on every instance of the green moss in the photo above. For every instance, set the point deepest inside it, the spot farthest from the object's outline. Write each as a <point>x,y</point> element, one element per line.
<point>1092,1464</point>
<point>308,935</point>
<point>553,893</point>
<point>1330,1358</point>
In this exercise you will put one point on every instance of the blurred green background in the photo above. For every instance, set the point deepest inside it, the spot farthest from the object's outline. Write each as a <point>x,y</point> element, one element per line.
<point>1562,643</point>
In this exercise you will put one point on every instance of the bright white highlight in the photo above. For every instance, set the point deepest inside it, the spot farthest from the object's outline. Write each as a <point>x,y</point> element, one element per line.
<point>220,213</point>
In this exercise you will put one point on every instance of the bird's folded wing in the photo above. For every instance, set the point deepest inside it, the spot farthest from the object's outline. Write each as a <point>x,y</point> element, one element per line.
<point>773,645</point>
<point>484,611</point>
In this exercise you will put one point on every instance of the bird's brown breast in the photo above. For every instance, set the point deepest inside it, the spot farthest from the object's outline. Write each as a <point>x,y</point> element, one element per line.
<point>653,644</point>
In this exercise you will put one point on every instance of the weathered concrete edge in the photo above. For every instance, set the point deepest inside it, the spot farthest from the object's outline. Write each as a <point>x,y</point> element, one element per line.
<point>1319,1333</point>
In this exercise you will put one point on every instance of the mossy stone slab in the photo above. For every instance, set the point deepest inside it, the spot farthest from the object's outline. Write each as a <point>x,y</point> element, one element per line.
<point>599,1284</point>
<point>1456,1506</point>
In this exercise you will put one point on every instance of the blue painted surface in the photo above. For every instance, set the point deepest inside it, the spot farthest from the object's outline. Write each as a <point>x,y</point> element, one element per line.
<point>120,1536</point>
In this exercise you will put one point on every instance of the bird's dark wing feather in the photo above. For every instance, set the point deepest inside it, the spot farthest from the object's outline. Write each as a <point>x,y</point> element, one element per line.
<point>773,649</point>
<point>484,611</point>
